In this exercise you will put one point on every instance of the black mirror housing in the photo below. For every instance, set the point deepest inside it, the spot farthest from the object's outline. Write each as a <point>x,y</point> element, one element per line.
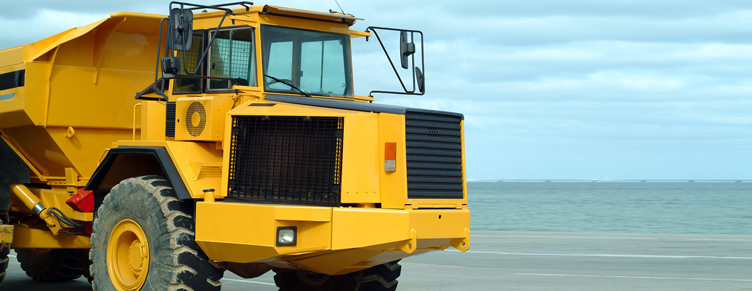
<point>421,79</point>
<point>170,67</point>
<point>181,29</point>
<point>407,48</point>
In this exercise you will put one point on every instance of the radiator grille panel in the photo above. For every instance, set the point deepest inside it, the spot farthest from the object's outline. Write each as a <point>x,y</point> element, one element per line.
<point>434,155</point>
<point>290,160</point>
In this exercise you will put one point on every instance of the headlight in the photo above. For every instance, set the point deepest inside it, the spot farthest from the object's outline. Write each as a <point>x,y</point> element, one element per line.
<point>287,236</point>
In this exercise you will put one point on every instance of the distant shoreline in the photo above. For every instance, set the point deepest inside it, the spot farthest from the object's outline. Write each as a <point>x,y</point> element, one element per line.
<point>612,180</point>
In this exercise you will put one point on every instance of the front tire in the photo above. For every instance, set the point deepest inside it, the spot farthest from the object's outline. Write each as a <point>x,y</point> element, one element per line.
<point>144,239</point>
<point>378,278</point>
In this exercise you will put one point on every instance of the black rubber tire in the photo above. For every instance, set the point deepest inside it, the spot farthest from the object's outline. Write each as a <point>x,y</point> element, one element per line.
<point>84,263</point>
<point>4,252</point>
<point>175,260</point>
<point>49,265</point>
<point>4,260</point>
<point>377,278</point>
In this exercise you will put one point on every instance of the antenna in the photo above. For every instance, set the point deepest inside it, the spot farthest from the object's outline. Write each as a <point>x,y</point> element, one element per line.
<point>340,7</point>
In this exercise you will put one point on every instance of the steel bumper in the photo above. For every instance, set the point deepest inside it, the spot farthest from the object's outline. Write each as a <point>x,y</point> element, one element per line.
<point>245,232</point>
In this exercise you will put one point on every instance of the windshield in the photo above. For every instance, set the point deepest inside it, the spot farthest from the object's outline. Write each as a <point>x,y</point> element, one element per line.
<point>316,62</point>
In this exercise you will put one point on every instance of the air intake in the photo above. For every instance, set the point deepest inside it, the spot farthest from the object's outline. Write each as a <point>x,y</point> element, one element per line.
<point>170,119</point>
<point>195,119</point>
<point>289,160</point>
<point>434,155</point>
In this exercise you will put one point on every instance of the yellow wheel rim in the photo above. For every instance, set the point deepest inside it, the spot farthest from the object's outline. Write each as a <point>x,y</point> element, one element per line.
<point>128,256</point>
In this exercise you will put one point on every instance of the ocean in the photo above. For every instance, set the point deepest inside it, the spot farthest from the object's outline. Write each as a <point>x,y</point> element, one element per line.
<point>612,207</point>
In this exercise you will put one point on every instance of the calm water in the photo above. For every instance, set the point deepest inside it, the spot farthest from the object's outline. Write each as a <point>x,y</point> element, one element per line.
<point>652,207</point>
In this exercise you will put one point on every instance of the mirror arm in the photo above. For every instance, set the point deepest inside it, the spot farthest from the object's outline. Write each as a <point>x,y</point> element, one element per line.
<point>156,86</point>
<point>396,73</point>
<point>206,51</point>
<point>394,68</point>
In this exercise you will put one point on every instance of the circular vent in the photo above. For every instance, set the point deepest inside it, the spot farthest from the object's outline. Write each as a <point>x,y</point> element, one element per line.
<point>195,119</point>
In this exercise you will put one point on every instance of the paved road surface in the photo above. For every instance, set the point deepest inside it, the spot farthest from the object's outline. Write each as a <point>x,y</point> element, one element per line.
<point>546,261</point>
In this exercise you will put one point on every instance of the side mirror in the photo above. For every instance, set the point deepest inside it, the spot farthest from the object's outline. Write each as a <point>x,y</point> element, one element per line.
<point>409,61</point>
<point>407,48</point>
<point>181,29</point>
<point>170,67</point>
<point>421,80</point>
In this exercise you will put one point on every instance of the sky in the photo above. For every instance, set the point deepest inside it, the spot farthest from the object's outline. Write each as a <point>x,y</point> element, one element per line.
<point>578,89</point>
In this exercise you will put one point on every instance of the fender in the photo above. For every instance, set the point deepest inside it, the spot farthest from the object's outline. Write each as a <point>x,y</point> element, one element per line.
<point>151,161</point>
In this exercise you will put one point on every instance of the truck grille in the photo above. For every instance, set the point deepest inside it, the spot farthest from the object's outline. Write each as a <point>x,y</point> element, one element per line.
<point>434,155</point>
<point>290,160</point>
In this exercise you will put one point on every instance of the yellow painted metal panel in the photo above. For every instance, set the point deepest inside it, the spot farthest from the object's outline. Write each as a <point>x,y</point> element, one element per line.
<point>85,146</point>
<point>36,91</point>
<point>235,223</point>
<point>11,56</point>
<point>393,184</point>
<point>201,118</point>
<point>153,121</point>
<point>303,213</point>
<point>44,152</point>
<point>360,162</point>
<point>199,164</point>
<point>232,252</point>
<point>254,230</point>
<point>76,101</point>
<point>432,224</point>
<point>76,83</point>
<point>352,239</point>
<point>286,109</point>
<point>25,237</point>
<point>335,262</point>
<point>6,234</point>
<point>355,228</point>
<point>12,108</point>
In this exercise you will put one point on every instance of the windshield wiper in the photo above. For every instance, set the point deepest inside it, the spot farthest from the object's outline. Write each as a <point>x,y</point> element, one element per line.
<point>288,83</point>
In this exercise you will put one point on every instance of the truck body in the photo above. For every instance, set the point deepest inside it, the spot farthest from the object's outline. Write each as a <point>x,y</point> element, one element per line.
<point>305,179</point>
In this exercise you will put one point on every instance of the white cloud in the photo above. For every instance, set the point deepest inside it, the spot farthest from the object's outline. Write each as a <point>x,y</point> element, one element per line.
<point>549,89</point>
<point>42,24</point>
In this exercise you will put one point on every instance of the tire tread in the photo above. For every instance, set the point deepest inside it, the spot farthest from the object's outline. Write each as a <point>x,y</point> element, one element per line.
<point>177,262</point>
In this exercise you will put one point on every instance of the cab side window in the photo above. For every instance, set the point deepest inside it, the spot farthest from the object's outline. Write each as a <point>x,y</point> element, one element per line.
<point>232,56</point>
<point>188,64</point>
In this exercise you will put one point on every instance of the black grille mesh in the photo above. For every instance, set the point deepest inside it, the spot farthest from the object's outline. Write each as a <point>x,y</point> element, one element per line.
<point>290,160</point>
<point>434,155</point>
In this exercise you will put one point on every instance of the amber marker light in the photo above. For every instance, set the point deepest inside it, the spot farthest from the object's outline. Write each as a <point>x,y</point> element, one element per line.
<point>390,157</point>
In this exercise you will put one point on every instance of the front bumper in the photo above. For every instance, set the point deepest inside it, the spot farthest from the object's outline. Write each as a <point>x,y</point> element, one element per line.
<point>329,240</point>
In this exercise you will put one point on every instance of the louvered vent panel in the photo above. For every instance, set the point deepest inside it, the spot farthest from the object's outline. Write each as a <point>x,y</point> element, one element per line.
<point>434,155</point>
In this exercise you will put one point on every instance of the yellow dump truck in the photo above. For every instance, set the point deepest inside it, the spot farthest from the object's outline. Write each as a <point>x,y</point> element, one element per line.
<point>152,152</point>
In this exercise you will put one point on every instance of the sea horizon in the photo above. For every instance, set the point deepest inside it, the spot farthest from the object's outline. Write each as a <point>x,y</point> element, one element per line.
<point>704,180</point>
<point>612,206</point>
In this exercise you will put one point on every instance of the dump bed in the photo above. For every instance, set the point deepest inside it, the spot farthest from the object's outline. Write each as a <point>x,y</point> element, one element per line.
<point>67,95</point>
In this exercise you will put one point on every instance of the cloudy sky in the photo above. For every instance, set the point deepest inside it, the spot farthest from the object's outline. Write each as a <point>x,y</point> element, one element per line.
<point>579,89</point>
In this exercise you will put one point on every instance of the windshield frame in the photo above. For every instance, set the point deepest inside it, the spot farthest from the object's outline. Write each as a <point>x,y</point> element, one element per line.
<point>296,63</point>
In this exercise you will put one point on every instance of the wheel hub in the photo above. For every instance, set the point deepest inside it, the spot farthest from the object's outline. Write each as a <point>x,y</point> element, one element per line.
<point>128,256</point>
<point>135,257</point>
